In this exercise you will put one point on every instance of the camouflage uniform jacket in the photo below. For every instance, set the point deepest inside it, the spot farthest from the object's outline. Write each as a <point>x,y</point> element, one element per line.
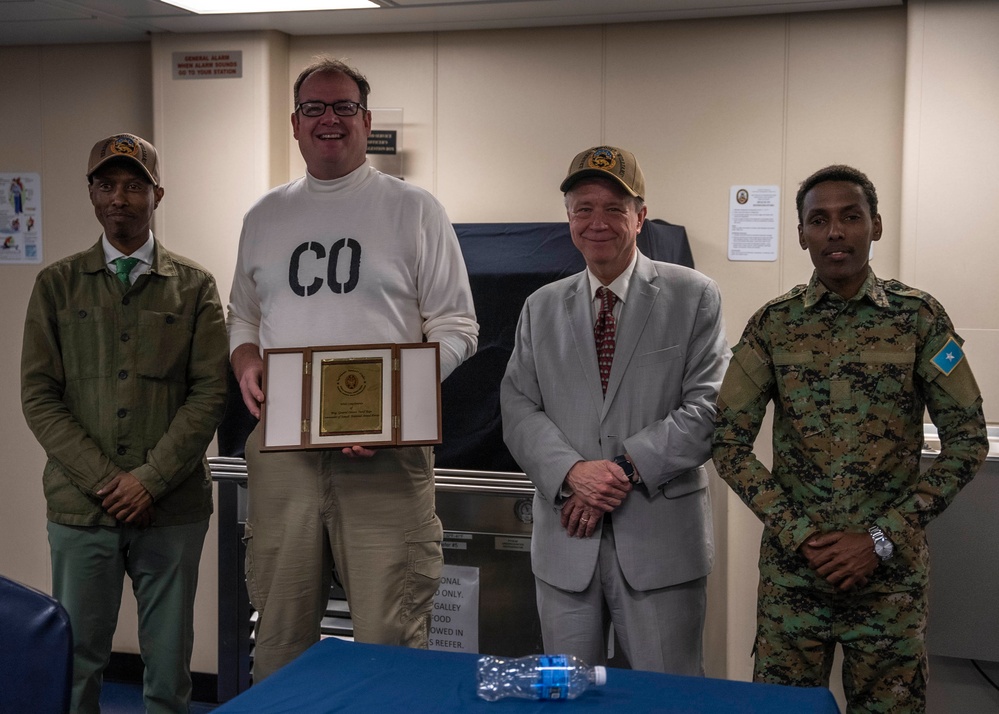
<point>850,380</point>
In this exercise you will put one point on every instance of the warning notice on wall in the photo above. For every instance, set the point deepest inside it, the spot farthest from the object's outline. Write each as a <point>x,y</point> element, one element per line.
<point>214,64</point>
<point>454,624</point>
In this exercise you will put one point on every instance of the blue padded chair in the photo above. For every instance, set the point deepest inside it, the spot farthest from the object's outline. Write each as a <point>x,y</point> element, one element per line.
<point>36,651</point>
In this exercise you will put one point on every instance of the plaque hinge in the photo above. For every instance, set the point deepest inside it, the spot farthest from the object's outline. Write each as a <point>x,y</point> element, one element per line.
<point>305,426</point>
<point>395,422</point>
<point>395,364</point>
<point>306,366</point>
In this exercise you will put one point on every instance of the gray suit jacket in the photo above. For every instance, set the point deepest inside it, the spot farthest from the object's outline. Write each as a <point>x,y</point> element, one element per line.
<point>669,361</point>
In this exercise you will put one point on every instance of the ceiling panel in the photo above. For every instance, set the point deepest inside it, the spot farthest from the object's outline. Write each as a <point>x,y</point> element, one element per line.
<point>39,22</point>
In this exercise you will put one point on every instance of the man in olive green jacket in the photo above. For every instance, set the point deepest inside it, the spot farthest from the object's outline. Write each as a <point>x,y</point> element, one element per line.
<point>123,380</point>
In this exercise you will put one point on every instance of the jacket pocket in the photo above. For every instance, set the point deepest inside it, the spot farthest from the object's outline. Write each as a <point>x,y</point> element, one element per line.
<point>797,374</point>
<point>85,337</point>
<point>165,344</point>
<point>657,356</point>
<point>883,386</point>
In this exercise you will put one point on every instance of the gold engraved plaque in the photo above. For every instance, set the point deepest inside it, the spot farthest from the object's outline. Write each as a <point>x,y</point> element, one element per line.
<point>350,396</point>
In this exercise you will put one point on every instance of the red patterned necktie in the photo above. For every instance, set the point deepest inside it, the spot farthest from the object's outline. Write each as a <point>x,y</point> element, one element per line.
<point>603,334</point>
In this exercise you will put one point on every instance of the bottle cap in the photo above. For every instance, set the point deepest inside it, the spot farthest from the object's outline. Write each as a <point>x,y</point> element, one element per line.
<point>599,675</point>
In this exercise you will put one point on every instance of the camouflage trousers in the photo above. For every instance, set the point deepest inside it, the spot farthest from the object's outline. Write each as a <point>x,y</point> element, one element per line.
<point>882,636</point>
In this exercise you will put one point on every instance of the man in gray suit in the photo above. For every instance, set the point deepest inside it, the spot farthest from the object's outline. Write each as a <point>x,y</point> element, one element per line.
<point>608,405</point>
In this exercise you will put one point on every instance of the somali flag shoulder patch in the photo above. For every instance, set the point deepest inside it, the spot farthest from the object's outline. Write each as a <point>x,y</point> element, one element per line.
<point>949,357</point>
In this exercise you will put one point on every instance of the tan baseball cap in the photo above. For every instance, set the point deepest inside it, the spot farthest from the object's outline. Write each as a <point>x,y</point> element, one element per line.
<point>607,162</point>
<point>126,146</point>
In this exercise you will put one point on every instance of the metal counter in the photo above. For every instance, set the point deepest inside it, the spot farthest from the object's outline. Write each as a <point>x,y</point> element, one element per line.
<point>964,563</point>
<point>487,519</point>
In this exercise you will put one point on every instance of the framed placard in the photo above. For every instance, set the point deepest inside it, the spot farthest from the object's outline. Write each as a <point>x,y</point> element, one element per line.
<point>368,395</point>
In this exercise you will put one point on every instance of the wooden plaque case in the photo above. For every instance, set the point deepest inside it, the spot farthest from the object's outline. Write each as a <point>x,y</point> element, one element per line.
<point>410,396</point>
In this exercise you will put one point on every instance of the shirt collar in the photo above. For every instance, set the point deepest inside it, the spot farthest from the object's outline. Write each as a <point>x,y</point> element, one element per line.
<point>619,286</point>
<point>144,253</point>
<point>871,289</point>
<point>344,183</point>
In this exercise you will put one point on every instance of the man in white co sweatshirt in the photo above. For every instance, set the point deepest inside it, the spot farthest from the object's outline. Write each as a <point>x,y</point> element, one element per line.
<point>344,255</point>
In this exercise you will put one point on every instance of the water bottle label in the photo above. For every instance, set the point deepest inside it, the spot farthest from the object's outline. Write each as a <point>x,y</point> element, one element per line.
<point>554,677</point>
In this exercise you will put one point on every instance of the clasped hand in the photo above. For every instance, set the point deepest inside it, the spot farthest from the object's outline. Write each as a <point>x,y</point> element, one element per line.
<point>597,487</point>
<point>126,499</point>
<point>845,560</point>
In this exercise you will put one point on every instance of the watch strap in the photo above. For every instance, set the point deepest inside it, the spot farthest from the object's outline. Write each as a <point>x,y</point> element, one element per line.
<point>628,468</point>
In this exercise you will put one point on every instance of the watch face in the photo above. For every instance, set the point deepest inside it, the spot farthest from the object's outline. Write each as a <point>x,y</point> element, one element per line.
<point>884,548</point>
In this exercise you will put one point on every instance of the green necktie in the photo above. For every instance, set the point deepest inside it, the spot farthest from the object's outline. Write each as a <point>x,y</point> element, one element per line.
<point>123,268</point>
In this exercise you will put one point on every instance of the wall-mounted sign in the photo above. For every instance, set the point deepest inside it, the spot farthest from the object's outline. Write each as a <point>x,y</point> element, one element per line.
<point>382,141</point>
<point>208,64</point>
<point>385,141</point>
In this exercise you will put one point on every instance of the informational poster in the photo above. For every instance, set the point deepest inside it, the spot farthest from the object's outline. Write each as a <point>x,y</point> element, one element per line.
<point>454,621</point>
<point>20,218</point>
<point>753,220</point>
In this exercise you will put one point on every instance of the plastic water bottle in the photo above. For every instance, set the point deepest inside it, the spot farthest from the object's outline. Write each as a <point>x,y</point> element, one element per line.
<point>537,677</point>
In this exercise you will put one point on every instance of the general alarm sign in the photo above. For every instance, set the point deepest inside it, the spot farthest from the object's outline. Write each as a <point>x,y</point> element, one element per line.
<point>213,64</point>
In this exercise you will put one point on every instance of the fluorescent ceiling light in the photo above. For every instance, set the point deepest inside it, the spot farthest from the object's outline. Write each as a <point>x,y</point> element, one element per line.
<point>220,7</point>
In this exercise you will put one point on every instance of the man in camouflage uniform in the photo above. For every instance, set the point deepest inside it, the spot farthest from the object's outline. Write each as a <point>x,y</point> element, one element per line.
<point>850,362</point>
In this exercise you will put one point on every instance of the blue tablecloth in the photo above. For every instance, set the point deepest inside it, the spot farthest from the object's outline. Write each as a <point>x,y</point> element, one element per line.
<point>339,676</point>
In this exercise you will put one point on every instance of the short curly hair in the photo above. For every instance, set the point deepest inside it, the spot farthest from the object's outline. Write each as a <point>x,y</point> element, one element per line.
<point>838,172</point>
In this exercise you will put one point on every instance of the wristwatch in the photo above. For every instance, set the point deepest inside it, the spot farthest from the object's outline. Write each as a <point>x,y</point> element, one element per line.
<point>628,468</point>
<point>883,547</point>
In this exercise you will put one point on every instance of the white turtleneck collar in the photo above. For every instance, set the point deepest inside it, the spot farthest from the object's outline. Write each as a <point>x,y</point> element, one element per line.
<point>344,183</point>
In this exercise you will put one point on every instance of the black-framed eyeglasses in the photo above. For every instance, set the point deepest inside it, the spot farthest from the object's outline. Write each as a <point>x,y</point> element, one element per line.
<point>343,108</point>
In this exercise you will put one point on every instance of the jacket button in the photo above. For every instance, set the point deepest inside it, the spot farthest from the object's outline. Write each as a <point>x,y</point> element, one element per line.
<point>169,319</point>
<point>122,413</point>
<point>124,337</point>
<point>83,313</point>
<point>122,451</point>
<point>123,374</point>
